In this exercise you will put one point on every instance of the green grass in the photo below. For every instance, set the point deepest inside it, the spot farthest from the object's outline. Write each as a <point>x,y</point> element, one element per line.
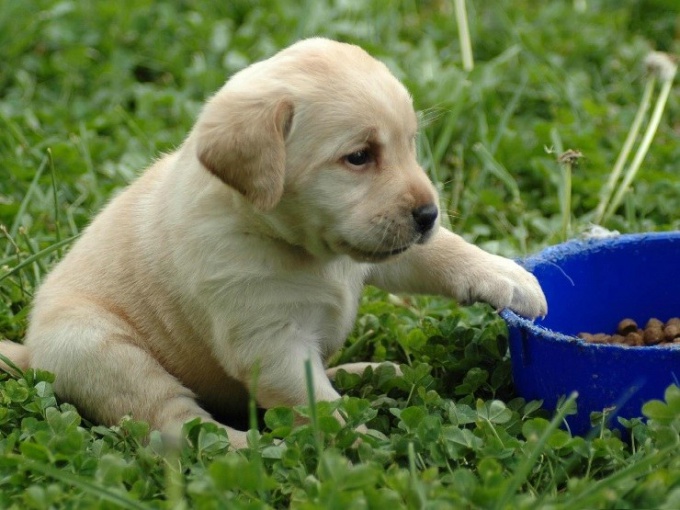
<point>91,92</point>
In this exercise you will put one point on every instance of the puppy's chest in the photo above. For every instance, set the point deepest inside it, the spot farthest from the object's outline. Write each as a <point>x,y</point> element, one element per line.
<point>325,310</point>
<point>335,320</point>
<point>322,306</point>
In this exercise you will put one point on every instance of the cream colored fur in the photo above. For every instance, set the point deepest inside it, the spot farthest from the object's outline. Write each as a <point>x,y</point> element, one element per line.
<point>249,247</point>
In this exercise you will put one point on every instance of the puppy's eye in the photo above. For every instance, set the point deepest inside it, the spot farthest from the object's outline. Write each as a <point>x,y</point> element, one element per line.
<point>359,158</point>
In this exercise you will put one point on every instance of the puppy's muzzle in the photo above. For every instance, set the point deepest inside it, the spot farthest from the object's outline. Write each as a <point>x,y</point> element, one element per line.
<point>425,218</point>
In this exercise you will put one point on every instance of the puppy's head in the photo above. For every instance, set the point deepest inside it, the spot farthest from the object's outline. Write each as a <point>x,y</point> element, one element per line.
<point>320,139</point>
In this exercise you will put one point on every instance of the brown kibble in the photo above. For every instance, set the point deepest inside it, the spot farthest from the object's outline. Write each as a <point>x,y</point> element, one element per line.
<point>618,339</point>
<point>654,324</point>
<point>634,339</point>
<point>674,321</point>
<point>601,338</point>
<point>626,326</point>
<point>653,335</point>
<point>628,333</point>
<point>597,338</point>
<point>671,332</point>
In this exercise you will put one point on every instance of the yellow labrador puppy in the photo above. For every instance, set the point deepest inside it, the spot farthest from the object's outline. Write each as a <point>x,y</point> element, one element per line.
<point>249,246</point>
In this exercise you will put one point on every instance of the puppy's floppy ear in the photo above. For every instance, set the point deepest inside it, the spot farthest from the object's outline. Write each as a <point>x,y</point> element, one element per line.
<point>241,140</point>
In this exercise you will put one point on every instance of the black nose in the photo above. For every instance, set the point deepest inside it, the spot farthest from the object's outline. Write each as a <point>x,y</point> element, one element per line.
<point>425,216</point>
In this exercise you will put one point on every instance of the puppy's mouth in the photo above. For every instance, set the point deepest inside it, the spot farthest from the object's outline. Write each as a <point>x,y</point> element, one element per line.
<point>363,255</point>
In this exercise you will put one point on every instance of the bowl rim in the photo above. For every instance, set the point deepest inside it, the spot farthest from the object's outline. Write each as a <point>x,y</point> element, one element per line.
<point>570,247</point>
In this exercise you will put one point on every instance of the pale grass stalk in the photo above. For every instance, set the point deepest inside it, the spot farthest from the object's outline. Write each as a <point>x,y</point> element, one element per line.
<point>666,73</point>
<point>608,189</point>
<point>566,203</point>
<point>567,160</point>
<point>314,421</point>
<point>464,35</point>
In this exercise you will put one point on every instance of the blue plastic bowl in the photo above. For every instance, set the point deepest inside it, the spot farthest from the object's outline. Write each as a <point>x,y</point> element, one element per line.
<point>590,286</point>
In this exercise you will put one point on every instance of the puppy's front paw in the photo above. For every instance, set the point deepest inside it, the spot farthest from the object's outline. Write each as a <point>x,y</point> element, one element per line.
<point>506,284</point>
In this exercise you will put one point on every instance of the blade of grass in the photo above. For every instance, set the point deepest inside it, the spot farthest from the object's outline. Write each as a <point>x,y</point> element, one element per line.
<point>252,402</point>
<point>608,189</point>
<point>497,170</point>
<point>567,160</point>
<point>427,157</point>
<point>313,418</point>
<point>174,481</point>
<point>54,195</point>
<point>83,484</point>
<point>444,141</point>
<point>524,467</point>
<point>416,484</point>
<point>642,149</point>
<point>349,352</point>
<point>86,154</point>
<point>42,253</point>
<point>17,255</point>
<point>17,371</point>
<point>635,469</point>
<point>31,244</point>
<point>566,202</point>
<point>507,114</point>
<point>464,35</point>
<point>14,130</point>
<point>453,200</point>
<point>25,202</point>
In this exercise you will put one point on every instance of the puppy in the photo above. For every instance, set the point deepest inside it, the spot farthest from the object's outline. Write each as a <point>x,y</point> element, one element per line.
<point>247,249</point>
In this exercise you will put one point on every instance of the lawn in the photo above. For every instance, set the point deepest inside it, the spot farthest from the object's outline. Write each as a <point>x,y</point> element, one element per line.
<point>91,92</point>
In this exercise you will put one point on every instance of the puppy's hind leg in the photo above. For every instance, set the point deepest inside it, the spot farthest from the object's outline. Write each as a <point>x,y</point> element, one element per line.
<point>155,396</point>
<point>100,370</point>
<point>17,354</point>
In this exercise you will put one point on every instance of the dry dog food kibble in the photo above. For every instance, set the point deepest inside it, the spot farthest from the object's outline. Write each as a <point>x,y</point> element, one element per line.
<point>628,332</point>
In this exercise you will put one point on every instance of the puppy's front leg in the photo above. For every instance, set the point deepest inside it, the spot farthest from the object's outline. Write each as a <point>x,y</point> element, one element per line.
<point>271,364</point>
<point>450,266</point>
<point>283,380</point>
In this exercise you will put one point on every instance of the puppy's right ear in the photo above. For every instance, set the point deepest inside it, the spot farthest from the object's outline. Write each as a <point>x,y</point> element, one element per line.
<point>241,140</point>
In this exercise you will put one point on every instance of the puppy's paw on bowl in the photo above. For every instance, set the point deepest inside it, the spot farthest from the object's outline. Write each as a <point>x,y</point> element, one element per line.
<point>506,284</point>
